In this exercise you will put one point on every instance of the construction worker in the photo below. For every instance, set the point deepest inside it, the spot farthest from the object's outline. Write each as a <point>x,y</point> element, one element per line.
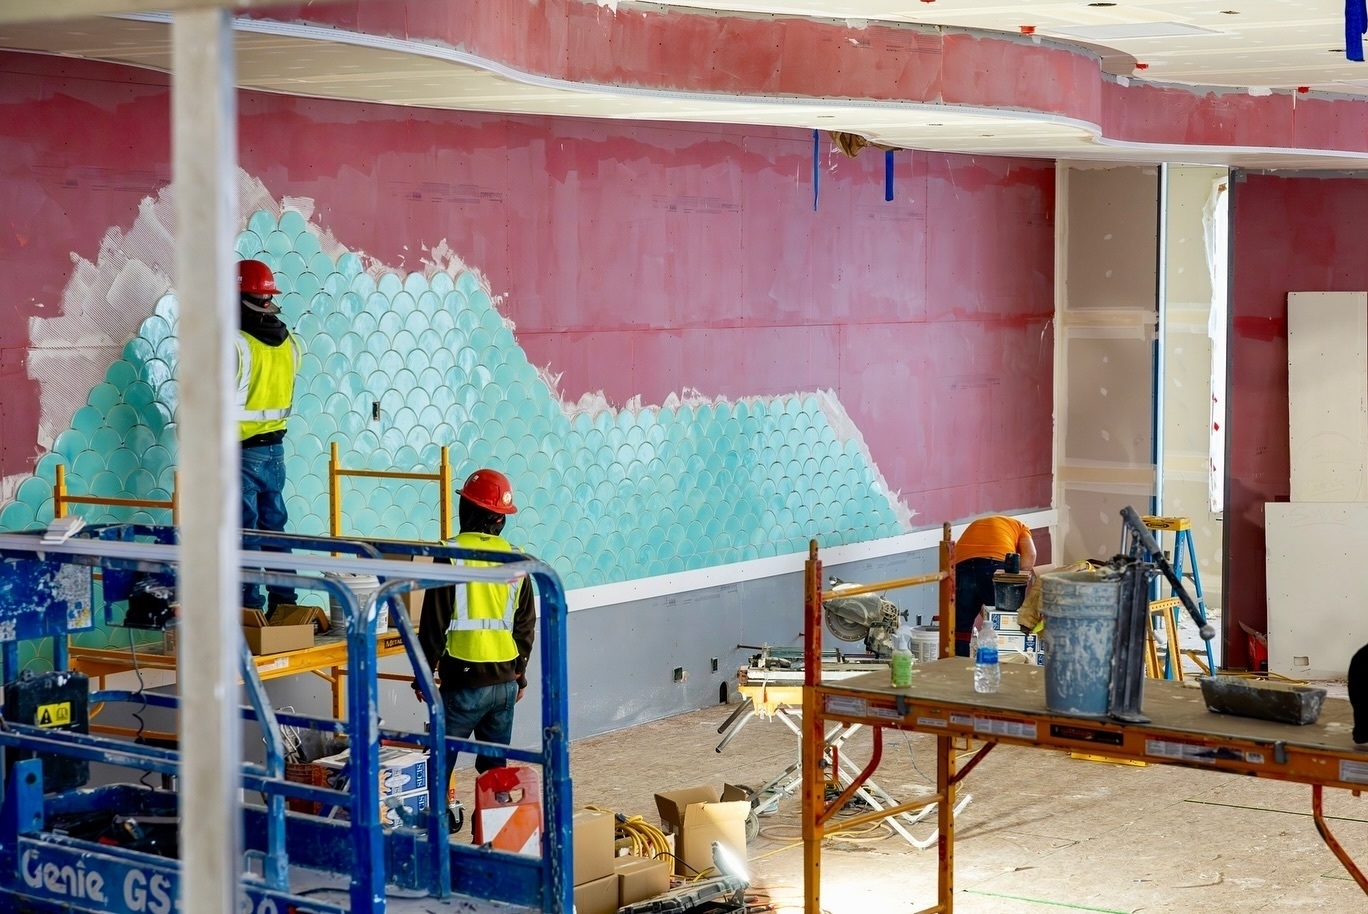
<point>268,359</point>
<point>982,549</point>
<point>477,637</point>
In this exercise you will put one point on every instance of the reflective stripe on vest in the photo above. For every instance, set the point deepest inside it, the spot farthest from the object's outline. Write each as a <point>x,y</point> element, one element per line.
<point>265,388</point>
<point>481,627</point>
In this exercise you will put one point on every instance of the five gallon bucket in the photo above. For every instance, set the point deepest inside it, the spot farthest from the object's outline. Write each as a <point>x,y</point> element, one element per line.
<point>361,586</point>
<point>1080,628</point>
<point>925,643</point>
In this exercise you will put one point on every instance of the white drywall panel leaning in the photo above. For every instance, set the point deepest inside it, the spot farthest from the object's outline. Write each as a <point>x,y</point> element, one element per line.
<point>1327,389</point>
<point>1317,578</point>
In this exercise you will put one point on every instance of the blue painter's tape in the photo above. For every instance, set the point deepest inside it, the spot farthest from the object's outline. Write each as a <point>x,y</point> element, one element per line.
<point>888,175</point>
<point>816,167</point>
<point>1355,24</point>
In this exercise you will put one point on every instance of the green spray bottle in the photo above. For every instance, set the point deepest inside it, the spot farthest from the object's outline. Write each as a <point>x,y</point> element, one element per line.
<point>901,664</point>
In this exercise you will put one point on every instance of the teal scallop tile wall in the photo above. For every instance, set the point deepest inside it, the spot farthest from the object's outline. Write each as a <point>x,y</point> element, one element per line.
<point>604,497</point>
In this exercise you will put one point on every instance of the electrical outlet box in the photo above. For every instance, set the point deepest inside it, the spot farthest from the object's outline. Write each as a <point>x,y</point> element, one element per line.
<point>681,674</point>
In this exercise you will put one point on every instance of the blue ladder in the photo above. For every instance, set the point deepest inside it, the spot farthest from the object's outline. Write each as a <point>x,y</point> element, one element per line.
<point>1181,527</point>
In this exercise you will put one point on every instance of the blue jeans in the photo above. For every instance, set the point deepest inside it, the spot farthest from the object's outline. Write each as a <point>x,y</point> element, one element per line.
<point>263,508</point>
<point>973,591</point>
<point>486,712</point>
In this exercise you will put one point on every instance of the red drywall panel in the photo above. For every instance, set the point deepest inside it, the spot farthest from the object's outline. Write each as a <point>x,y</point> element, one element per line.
<point>1289,234</point>
<point>57,200</point>
<point>639,260</point>
<point>1000,72</point>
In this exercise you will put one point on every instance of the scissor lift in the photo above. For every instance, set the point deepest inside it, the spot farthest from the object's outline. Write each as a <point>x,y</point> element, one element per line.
<point>292,861</point>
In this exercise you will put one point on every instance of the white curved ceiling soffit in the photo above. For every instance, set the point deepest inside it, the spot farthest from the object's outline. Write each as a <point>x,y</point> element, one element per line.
<point>1252,47</point>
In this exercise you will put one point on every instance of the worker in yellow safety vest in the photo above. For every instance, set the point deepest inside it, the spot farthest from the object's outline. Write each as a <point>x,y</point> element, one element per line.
<point>477,637</point>
<point>268,359</point>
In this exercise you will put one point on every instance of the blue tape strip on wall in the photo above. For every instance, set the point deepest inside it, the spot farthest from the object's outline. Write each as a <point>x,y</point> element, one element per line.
<point>1355,25</point>
<point>816,167</point>
<point>888,174</point>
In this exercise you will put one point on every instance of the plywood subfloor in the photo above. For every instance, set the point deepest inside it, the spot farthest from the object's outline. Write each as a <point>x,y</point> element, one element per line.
<point>1043,832</point>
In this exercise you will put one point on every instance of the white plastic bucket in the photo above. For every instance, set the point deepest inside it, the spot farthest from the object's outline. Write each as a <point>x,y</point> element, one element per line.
<point>362,587</point>
<point>925,643</point>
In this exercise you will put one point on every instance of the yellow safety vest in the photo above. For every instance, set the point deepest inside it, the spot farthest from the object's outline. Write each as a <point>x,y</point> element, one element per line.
<point>481,628</point>
<point>265,390</point>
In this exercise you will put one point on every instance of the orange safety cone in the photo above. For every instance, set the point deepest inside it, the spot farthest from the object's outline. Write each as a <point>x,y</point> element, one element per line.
<point>508,813</point>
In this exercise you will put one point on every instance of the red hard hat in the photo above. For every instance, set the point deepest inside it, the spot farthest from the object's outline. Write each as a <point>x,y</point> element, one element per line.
<point>490,489</point>
<point>255,278</point>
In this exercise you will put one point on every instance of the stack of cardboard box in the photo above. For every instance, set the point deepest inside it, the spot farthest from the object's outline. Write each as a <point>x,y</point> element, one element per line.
<point>596,881</point>
<point>698,816</point>
<point>403,784</point>
<point>1011,639</point>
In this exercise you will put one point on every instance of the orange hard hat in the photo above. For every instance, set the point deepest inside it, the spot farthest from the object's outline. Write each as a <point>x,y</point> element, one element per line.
<point>491,490</point>
<point>255,278</point>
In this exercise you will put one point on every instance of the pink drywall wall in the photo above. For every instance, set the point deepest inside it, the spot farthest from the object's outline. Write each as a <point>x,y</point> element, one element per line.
<point>1289,234</point>
<point>639,259</point>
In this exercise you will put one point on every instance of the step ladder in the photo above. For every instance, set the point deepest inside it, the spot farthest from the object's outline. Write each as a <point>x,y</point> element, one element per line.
<point>1183,552</point>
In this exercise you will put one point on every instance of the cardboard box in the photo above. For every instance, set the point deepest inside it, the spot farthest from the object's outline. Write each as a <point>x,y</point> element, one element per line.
<point>294,614</point>
<point>395,811</point>
<point>698,816</point>
<point>1004,622</point>
<point>402,771</point>
<point>640,878</point>
<point>414,598</point>
<point>597,897</point>
<point>593,845</point>
<point>266,638</point>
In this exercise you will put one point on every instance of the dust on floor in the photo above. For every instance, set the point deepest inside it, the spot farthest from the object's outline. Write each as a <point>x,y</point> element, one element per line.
<point>1043,832</point>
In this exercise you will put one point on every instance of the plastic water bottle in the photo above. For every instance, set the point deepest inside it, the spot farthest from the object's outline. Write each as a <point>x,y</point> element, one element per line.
<point>987,672</point>
<point>901,664</point>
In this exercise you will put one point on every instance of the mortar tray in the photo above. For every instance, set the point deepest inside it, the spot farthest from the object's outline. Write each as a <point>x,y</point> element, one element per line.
<point>1283,702</point>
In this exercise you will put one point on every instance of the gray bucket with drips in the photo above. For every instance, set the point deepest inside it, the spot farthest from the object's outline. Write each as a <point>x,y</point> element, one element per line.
<point>1080,635</point>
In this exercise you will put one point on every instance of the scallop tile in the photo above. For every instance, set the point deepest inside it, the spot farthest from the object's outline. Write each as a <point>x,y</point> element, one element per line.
<point>17,517</point>
<point>351,385</point>
<point>480,450</point>
<point>404,381</point>
<point>277,244</point>
<point>444,321</point>
<point>247,245</point>
<point>325,427</point>
<point>362,285</point>
<point>377,382</point>
<point>349,305</point>
<point>261,223</point>
<point>306,246</point>
<point>444,363</point>
<point>350,265</point>
<point>429,341</point>
<point>155,372</point>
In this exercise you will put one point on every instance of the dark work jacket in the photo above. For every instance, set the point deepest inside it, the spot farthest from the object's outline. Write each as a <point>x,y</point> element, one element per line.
<point>438,605</point>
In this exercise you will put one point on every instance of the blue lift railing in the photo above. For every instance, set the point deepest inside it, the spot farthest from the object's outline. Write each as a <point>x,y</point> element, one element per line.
<point>369,854</point>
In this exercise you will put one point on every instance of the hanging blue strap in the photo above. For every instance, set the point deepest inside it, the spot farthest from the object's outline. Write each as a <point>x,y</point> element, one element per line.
<point>1355,25</point>
<point>888,174</point>
<point>816,167</point>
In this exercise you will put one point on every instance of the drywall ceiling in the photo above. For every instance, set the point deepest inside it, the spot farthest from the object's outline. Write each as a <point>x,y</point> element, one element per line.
<point>1239,43</point>
<point>1259,44</point>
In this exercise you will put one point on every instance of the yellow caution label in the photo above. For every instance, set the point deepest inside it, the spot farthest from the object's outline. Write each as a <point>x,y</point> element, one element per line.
<point>57,715</point>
